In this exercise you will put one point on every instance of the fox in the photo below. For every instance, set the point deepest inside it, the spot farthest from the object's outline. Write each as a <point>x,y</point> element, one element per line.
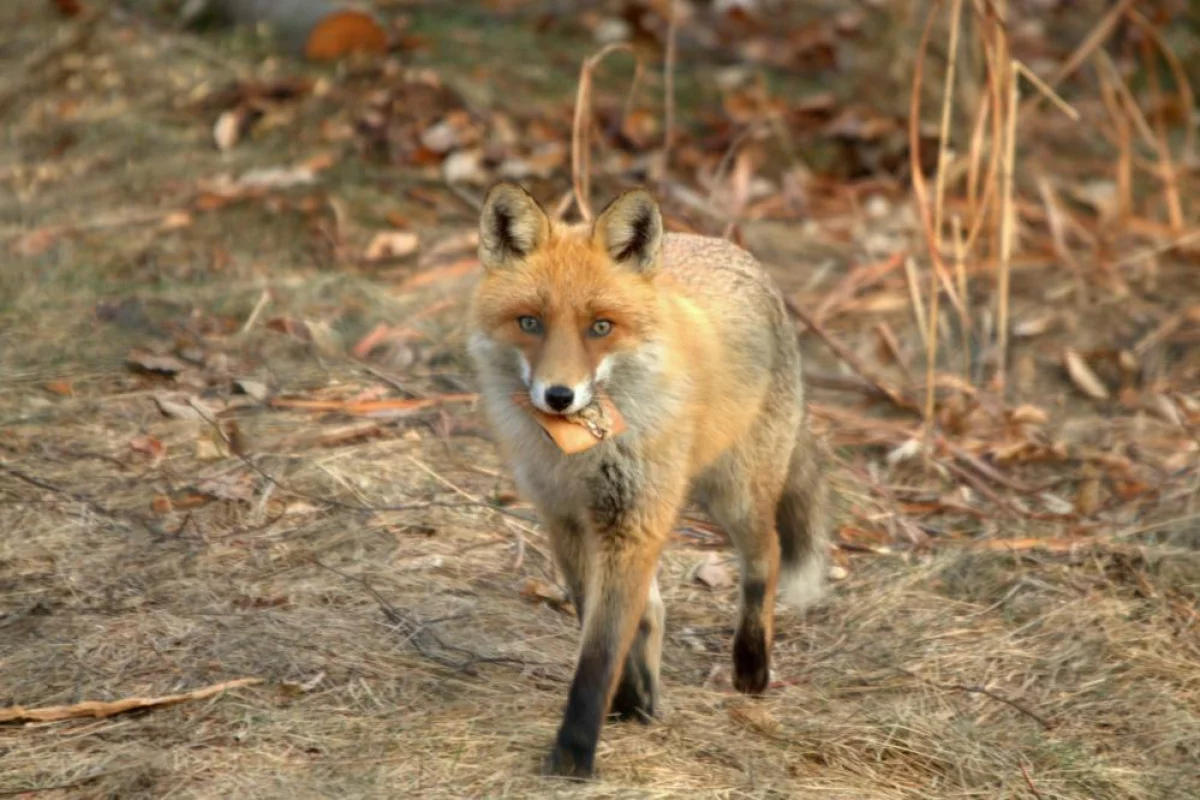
<point>689,338</point>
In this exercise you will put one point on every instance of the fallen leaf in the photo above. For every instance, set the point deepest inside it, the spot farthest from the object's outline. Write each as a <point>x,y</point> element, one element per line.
<point>146,361</point>
<point>712,573</point>
<point>60,388</point>
<point>255,389</point>
<point>464,166</point>
<point>278,177</point>
<point>161,505</point>
<point>536,590</point>
<point>388,245</point>
<point>372,340</point>
<point>228,129</point>
<point>176,220</point>
<point>150,446</point>
<point>757,718</point>
<point>207,450</point>
<point>1083,377</point>
<point>230,486</point>
<point>173,407</point>
<point>456,269</point>
<point>302,687</point>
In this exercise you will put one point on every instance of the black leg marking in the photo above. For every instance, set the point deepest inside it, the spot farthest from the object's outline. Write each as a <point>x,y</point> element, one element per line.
<point>637,695</point>
<point>575,748</point>
<point>751,661</point>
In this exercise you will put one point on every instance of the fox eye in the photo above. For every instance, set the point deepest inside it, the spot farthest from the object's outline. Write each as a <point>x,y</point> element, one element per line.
<point>601,328</point>
<point>530,325</point>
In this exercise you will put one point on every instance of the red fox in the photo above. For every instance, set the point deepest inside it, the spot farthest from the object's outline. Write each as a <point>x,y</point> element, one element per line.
<point>690,339</point>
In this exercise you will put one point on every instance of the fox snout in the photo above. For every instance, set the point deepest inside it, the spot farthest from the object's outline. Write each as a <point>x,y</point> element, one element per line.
<point>560,398</point>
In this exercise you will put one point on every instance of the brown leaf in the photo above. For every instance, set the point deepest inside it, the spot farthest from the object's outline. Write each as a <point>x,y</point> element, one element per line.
<point>387,245</point>
<point>536,590</point>
<point>146,361</point>
<point>457,269</point>
<point>1083,377</point>
<point>756,717</point>
<point>148,445</point>
<point>227,130</point>
<point>62,388</point>
<point>255,389</point>
<point>712,573</point>
<point>176,220</point>
<point>230,486</point>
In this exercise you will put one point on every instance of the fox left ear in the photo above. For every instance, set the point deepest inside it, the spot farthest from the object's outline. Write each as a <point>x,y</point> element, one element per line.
<point>511,226</point>
<point>630,229</point>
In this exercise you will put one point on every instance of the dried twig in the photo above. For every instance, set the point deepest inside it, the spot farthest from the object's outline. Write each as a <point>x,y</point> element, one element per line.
<point>422,636</point>
<point>581,159</point>
<point>99,709</point>
<point>893,394</point>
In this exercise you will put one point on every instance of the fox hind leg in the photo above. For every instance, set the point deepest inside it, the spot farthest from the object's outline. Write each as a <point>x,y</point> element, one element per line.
<point>742,504</point>
<point>637,692</point>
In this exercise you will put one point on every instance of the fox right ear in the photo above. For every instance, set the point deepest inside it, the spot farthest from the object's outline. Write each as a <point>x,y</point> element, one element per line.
<point>511,226</point>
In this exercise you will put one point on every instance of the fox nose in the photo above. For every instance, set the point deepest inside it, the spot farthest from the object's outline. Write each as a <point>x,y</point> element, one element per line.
<point>559,397</point>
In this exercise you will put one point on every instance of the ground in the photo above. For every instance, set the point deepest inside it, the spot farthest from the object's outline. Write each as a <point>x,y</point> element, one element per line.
<point>216,465</point>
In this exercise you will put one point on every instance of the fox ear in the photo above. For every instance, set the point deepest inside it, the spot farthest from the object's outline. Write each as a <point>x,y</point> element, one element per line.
<point>630,229</point>
<point>511,226</point>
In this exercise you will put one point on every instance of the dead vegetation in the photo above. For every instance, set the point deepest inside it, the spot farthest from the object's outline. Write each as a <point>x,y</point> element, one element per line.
<point>238,440</point>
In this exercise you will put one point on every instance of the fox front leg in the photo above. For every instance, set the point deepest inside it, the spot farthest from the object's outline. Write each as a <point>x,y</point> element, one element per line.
<point>627,536</point>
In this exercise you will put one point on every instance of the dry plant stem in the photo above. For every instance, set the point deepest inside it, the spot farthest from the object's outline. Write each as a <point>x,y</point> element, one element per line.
<point>1054,218</point>
<point>1041,86</point>
<point>67,42</point>
<point>87,502</point>
<point>960,273</point>
<point>1187,101</point>
<point>99,710</point>
<point>420,634</point>
<point>920,189</point>
<point>581,159</point>
<point>1095,38</point>
<point>1007,221</point>
<point>1166,162</point>
<point>840,350</point>
<point>1124,143</point>
<point>330,502</point>
<point>1029,782</point>
<point>669,86</point>
<point>939,202</point>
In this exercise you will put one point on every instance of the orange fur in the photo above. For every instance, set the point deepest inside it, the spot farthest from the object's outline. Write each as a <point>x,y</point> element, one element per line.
<point>702,364</point>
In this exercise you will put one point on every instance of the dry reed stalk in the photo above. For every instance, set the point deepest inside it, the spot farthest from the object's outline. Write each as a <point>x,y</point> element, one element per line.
<point>581,166</point>
<point>1045,89</point>
<point>1166,163</point>
<point>960,272</point>
<point>1091,43</point>
<point>914,293</point>
<point>1055,221</point>
<point>939,201</point>
<point>1007,224</point>
<point>1126,101</point>
<point>1187,102</point>
<point>920,189</point>
<point>1124,138</point>
<point>669,86</point>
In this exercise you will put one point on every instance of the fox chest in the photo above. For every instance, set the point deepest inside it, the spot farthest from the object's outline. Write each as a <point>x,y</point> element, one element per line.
<point>605,487</point>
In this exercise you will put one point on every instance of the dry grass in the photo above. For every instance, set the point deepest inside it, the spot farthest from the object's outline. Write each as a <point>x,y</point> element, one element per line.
<point>404,652</point>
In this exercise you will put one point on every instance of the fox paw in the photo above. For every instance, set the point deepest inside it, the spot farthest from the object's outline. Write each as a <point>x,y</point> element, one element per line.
<point>635,700</point>
<point>751,663</point>
<point>564,763</point>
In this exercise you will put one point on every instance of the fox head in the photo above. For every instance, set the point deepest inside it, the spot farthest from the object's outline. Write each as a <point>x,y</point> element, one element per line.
<point>562,306</point>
